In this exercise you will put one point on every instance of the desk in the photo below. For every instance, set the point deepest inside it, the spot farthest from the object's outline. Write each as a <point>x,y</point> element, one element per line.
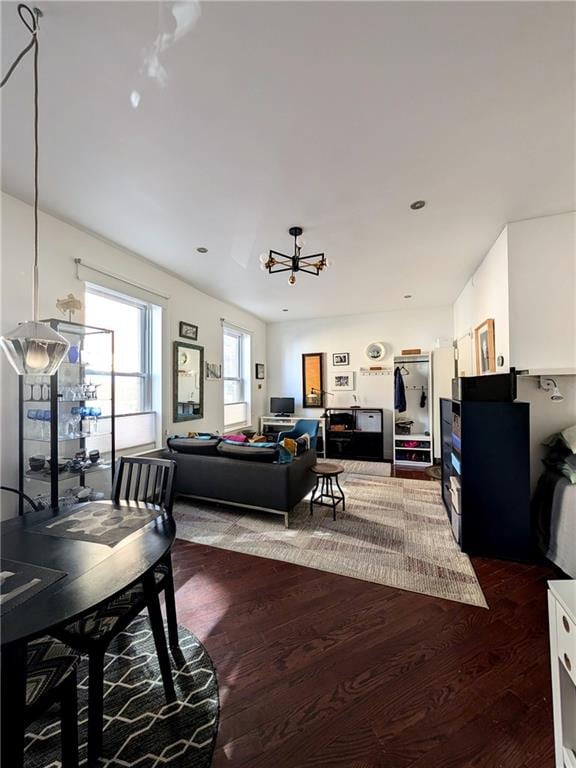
<point>94,573</point>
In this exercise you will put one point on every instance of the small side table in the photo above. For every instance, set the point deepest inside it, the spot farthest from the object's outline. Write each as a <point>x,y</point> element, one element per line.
<point>327,473</point>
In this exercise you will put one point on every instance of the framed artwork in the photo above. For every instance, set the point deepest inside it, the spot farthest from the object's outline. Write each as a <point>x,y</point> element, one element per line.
<point>341,358</point>
<point>343,381</point>
<point>260,370</point>
<point>312,380</point>
<point>213,371</point>
<point>188,331</point>
<point>485,347</point>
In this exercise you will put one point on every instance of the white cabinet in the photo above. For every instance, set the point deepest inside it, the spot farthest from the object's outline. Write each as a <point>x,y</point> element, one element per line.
<point>562,618</point>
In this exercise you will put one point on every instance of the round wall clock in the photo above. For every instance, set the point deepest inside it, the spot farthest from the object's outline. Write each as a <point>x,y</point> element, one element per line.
<point>375,351</point>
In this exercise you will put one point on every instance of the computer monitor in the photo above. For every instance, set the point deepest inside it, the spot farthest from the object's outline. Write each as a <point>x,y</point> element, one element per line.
<point>282,405</point>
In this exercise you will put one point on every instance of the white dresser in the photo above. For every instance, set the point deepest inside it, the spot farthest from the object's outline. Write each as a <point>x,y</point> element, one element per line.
<point>562,617</point>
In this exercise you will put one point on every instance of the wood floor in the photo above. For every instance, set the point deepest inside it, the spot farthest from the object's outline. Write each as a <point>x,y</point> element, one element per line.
<point>321,670</point>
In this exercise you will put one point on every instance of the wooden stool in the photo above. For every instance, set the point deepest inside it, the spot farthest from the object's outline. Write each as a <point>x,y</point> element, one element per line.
<point>327,473</point>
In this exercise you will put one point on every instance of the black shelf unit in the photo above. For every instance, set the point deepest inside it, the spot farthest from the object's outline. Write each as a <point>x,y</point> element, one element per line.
<point>355,433</point>
<point>61,432</point>
<point>486,477</point>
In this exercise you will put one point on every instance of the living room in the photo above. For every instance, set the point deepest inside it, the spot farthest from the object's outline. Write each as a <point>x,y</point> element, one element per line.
<point>325,310</point>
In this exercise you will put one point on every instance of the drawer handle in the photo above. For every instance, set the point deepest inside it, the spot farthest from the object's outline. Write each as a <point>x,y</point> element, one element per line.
<point>568,663</point>
<point>565,623</point>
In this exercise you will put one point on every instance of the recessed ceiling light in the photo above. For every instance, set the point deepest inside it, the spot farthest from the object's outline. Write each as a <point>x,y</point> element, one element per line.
<point>417,205</point>
<point>202,250</point>
<point>407,295</point>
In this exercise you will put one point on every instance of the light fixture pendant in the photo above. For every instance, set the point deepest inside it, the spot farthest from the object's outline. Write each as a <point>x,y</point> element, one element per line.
<point>33,348</point>
<point>274,261</point>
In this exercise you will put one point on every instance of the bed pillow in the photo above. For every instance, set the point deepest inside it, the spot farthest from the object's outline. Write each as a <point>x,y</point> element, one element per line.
<point>568,468</point>
<point>567,437</point>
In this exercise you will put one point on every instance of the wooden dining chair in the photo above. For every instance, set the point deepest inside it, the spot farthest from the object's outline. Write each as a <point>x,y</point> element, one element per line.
<point>50,679</point>
<point>136,481</point>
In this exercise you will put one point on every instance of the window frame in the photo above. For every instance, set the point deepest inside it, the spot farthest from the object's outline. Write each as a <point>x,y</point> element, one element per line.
<point>145,373</point>
<point>243,338</point>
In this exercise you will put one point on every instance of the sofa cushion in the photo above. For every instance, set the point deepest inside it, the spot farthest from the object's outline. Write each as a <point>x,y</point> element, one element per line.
<point>248,451</point>
<point>196,445</point>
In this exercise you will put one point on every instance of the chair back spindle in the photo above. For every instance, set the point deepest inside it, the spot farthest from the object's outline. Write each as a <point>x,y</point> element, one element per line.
<point>145,480</point>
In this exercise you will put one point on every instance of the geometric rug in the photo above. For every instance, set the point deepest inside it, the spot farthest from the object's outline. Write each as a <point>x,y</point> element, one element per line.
<point>140,729</point>
<point>394,531</point>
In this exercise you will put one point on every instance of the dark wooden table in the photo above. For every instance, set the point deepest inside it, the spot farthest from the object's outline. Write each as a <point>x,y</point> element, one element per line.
<point>94,573</point>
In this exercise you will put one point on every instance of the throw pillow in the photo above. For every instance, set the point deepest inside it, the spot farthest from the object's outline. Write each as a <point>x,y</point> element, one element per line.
<point>290,445</point>
<point>236,438</point>
<point>258,439</point>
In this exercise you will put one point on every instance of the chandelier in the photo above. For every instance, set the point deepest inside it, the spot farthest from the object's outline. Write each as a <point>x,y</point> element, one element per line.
<point>275,262</point>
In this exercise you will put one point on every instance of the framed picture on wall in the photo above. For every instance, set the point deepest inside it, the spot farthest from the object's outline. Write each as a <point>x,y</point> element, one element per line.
<point>485,344</point>
<point>188,331</point>
<point>341,358</point>
<point>213,371</point>
<point>260,370</point>
<point>343,381</point>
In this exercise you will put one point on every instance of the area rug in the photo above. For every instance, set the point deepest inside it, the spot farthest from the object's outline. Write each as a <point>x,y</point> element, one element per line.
<point>378,468</point>
<point>140,729</point>
<point>394,531</point>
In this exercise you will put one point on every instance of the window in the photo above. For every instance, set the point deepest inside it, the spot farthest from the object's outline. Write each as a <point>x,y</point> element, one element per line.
<point>137,338</point>
<point>236,378</point>
<point>130,320</point>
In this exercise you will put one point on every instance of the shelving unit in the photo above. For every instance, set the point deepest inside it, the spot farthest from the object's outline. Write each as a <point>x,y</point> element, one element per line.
<point>486,477</point>
<point>62,418</point>
<point>355,433</point>
<point>415,449</point>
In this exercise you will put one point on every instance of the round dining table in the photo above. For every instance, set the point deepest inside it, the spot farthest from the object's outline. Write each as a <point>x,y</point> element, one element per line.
<point>93,573</point>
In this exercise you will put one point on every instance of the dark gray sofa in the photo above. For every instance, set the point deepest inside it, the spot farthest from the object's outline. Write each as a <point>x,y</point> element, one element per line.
<point>268,487</point>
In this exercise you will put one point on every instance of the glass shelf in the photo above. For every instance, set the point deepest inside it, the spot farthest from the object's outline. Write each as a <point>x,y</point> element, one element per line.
<point>44,475</point>
<point>83,436</point>
<point>61,400</point>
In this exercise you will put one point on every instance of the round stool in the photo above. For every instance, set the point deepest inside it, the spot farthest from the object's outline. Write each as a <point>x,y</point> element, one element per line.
<point>327,473</point>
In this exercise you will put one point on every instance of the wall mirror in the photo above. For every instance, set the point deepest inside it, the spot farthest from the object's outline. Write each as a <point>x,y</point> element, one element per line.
<point>312,381</point>
<point>188,381</point>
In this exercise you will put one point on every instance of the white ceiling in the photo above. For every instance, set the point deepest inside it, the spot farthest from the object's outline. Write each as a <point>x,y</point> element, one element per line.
<point>331,116</point>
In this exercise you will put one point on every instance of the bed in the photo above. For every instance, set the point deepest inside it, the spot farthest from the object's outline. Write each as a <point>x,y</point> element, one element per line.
<point>554,506</point>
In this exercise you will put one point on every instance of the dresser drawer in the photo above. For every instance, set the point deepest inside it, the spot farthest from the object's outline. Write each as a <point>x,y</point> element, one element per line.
<point>566,637</point>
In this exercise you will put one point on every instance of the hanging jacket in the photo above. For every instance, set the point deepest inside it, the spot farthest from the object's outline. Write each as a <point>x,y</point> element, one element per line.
<point>399,392</point>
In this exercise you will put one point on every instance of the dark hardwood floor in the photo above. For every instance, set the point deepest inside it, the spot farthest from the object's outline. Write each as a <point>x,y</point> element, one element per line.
<point>318,670</point>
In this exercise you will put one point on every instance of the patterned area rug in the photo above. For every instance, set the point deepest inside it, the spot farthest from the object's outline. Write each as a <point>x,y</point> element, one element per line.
<point>394,532</point>
<point>140,729</point>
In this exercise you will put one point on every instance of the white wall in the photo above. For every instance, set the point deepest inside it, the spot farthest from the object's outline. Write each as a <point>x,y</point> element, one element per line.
<point>527,283</point>
<point>542,278</point>
<point>60,244</point>
<point>485,296</point>
<point>399,330</point>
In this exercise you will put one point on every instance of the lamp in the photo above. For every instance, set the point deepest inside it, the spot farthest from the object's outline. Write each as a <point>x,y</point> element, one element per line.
<point>33,347</point>
<point>274,261</point>
<point>551,385</point>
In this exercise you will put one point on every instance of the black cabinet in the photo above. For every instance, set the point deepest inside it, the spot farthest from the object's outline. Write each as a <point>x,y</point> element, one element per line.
<point>486,477</point>
<point>355,433</point>
<point>446,450</point>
